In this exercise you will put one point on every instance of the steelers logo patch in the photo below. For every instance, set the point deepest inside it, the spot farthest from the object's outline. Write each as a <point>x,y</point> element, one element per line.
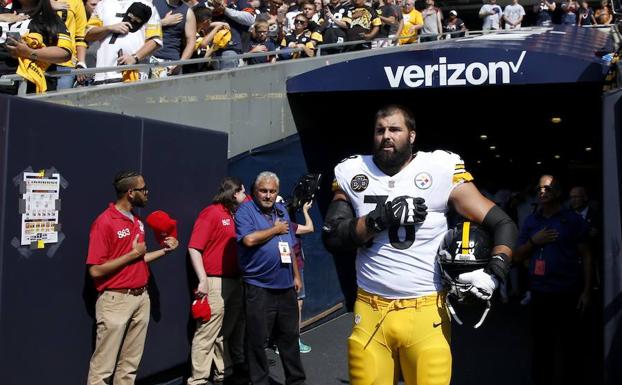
<point>423,180</point>
<point>359,182</point>
<point>357,319</point>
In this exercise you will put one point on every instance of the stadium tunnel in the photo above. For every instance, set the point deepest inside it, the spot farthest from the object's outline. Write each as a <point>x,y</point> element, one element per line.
<point>536,96</point>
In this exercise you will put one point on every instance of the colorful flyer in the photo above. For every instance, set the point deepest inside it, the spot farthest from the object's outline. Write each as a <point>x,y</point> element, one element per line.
<point>40,209</point>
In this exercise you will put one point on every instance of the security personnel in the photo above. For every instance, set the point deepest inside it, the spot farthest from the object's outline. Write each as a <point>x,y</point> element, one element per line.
<point>117,261</point>
<point>390,208</point>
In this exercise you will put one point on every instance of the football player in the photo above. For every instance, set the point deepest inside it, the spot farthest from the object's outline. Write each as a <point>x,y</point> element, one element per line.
<point>391,208</point>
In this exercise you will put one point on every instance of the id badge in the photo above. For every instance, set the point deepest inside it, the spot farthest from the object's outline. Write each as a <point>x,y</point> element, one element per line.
<point>539,268</point>
<point>286,255</point>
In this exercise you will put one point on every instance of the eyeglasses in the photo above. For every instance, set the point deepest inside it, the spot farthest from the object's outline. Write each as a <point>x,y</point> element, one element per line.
<point>143,190</point>
<point>300,22</point>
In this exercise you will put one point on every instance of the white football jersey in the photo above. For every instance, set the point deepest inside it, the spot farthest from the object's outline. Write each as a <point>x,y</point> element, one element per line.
<point>109,12</point>
<point>400,262</point>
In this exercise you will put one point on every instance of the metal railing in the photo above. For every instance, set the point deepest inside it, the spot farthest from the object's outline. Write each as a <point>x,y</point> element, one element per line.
<point>9,80</point>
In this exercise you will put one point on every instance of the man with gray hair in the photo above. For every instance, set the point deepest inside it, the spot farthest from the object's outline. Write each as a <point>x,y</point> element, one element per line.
<point>271,281</point>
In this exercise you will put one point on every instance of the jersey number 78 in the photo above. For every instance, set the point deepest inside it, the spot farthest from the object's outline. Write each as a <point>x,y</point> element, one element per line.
<point>396,242</point>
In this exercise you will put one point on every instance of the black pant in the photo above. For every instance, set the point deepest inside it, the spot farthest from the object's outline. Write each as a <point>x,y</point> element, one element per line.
<point>559,337</point>
<point>272,313</point>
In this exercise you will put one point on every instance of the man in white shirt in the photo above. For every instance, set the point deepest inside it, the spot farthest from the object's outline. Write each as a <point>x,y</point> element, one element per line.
<point>513,15</point>
<point>125,37</point>
<point>491,13</point>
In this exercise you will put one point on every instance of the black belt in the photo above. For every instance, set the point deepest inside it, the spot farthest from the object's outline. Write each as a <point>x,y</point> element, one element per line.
<point>138,291</point>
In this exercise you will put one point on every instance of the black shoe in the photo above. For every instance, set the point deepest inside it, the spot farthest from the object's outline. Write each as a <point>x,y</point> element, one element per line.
<point>240,375</point>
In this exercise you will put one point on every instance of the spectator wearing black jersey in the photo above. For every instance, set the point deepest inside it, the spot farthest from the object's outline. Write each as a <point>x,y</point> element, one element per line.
<point>301,38</point>
<point>391,17</point>
<point>365,25</point>
<point>454,27</point>
<point>335,24</point>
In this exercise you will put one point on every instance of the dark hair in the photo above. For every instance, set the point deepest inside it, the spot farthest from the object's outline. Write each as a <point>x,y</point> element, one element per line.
<point>303,16</point>
<point>229,186</point>
<point>391,109</point>
<point>124,181</point>
<point>201,13</point>
<point>44,20</point>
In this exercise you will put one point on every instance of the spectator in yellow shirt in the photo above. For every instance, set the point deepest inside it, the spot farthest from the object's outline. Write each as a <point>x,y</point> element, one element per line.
<point>73,14</point>
<point>413,22</point>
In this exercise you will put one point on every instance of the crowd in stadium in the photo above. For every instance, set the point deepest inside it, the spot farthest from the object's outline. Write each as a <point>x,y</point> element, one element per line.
<point>39,36</point>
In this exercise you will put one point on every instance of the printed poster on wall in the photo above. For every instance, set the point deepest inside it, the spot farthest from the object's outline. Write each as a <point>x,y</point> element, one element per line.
<point>40,214</point>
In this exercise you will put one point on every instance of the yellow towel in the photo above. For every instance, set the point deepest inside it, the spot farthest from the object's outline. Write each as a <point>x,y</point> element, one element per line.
<point>32,70</point>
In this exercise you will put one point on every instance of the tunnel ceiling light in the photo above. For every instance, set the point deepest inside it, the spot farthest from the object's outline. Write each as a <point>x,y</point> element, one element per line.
<point>492,148</point>
<point>556,156</point>
<point>483,136</point>
<point>556,120</point>
<point>538,163</point>
<point>588,149</point>
<point>479,162</point>
<point>497,156</point>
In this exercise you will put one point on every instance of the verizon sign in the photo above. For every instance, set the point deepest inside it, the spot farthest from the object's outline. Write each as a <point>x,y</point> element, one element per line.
<point>453,74</point>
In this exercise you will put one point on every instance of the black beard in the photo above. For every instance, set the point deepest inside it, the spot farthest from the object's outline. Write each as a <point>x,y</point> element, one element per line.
<point>138,203</point>
<point>391,164</point>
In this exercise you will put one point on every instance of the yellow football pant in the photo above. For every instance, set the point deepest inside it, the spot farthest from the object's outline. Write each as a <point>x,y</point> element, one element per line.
<point>407,335</point>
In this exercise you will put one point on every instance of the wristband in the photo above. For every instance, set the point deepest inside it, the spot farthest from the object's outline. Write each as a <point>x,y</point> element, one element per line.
<point>499,266</point>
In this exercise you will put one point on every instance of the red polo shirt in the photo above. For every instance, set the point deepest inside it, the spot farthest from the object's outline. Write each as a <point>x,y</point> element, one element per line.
<point>112,235</point>
<point>214,236</point>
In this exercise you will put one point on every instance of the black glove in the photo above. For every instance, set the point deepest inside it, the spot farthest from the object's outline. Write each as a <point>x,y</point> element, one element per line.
<point>499,266</point>
<point>409,210</point>
<point>380,218</point>
<point>403,210</point>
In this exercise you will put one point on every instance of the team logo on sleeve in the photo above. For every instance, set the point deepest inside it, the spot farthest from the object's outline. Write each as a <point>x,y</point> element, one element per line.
<point>359,182</point>
<point>423,180</point>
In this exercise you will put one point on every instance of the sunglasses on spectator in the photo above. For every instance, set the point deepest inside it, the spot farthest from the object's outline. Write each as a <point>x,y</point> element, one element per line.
<point>300,22</point>
<point>143,190</point>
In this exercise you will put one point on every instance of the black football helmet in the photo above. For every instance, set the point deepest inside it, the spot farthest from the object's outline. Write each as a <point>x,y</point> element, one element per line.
<point>305,190</point>
<point>465,248</point>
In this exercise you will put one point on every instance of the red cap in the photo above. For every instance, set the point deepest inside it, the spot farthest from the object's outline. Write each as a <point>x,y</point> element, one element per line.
<point>201,310</point>
<point>162,224</point>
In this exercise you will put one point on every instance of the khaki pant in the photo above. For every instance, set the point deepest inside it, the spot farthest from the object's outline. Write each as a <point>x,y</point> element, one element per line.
<point>122,321</point>
<point>220,340</point>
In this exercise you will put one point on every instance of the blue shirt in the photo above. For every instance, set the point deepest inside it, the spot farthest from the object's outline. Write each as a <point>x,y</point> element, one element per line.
<point>261,265</point>
<point>173,35</point>
<point>563,269</point>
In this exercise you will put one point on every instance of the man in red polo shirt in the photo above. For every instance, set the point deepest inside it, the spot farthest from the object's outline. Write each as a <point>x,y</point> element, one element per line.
<point>214,255</point>
<point>117,261</point>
